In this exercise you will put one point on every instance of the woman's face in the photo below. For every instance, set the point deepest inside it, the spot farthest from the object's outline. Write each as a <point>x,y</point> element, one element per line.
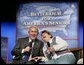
<point>46,37</point>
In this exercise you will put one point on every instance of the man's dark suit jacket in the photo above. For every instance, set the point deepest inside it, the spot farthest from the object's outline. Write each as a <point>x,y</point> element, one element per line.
<point>23,43</point>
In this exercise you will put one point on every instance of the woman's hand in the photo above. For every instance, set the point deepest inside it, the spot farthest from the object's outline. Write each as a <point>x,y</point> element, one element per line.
<point>51,49</point>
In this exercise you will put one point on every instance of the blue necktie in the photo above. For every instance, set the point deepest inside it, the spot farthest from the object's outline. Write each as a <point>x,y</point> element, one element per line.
<point>27,54</point>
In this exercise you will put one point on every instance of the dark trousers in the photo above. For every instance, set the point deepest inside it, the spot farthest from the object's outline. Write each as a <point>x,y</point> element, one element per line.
<point>13,61</point>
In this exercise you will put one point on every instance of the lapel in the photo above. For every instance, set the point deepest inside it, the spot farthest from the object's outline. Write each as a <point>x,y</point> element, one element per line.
<point>26,43</point>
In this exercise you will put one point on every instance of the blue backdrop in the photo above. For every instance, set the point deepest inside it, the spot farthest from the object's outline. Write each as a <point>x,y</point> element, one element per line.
<point>60,18</point>
<point>8,29</point>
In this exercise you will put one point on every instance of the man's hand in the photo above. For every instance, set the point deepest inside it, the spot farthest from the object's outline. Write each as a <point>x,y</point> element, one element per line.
<point>35,59</point>
<point>27,49</point>
<point>31,59</point>
<point>51,49</point>
<point>38,58</point>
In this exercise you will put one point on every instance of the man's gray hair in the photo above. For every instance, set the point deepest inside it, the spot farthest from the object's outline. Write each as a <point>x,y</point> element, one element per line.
<point>33,27</point>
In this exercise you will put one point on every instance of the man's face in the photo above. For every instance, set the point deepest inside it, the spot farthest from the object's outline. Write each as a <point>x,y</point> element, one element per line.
<point>33,33</point>
<point>46,37</point>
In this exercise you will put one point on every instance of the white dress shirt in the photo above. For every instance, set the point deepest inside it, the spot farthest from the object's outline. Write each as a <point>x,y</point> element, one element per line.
<point>32,45</point>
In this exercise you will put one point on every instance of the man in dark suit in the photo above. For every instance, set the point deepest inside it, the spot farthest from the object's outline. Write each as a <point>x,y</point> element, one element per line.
<point>23,47</point>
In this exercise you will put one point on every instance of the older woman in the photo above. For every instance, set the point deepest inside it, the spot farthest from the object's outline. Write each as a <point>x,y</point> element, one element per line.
<point>56,50</point>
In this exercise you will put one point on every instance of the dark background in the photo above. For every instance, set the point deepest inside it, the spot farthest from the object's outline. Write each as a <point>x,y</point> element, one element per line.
<point>9,8</point>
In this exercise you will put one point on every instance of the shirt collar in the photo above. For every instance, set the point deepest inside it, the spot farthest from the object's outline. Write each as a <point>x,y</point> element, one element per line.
<point>50,41</point>
<point>30,40</point>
